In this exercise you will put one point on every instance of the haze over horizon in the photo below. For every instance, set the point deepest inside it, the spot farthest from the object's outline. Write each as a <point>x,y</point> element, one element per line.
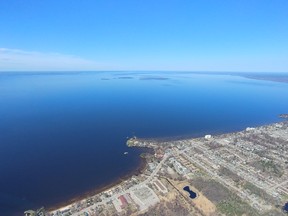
<point>246,36</point>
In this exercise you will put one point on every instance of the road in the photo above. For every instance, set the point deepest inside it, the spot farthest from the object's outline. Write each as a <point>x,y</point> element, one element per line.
<point>115,196</point>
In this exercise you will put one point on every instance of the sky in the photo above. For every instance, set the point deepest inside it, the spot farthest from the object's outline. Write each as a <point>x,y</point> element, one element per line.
<point>184,35</point>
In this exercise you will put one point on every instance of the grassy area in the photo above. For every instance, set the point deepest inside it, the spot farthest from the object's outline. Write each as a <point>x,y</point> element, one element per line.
<point>227,202</point>
<point>284,197</point>
<point>270,166</point>
<point>259,192</point>
<point>275,212</point>
<point>223,171</point>
<point>234,206</point>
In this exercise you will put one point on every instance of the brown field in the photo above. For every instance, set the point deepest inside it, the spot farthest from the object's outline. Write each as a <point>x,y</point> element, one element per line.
<point>201,202</point>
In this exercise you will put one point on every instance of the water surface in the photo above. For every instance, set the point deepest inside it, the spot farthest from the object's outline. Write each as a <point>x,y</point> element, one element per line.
<point>64,134</point>
<point>191,193</point>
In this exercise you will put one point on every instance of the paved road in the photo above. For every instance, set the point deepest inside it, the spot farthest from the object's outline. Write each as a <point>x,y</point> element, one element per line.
<point>115,196</point>
<point>222,180</point>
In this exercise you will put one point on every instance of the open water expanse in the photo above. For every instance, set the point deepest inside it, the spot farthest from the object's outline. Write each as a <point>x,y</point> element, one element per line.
<point>64,134</point>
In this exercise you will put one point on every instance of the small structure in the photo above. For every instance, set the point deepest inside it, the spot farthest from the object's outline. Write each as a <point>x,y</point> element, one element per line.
<point>250,129</point>
<point>208,137</point>
<point>30,213</point>
<point>151,166</point>
<point>159,154</point>
<point>180,169</point>
<point>121,202</point>
<point>38,212</point>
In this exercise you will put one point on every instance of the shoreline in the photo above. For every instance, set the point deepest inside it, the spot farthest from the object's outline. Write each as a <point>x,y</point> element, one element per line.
<point>281,118</point>
<point>142,166</point>
<point>150,149</point>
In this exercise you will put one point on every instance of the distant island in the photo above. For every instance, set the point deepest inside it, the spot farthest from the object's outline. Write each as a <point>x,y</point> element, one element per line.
<point>279,77</point>
<point>242,173</point>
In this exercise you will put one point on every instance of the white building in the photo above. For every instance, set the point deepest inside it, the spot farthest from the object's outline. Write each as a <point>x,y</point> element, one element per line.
<point>208,136</point>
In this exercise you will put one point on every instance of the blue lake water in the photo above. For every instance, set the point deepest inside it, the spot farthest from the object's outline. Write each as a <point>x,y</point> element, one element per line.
<point>62,135</point>
<point>192,194</point>
<point>285,207</point>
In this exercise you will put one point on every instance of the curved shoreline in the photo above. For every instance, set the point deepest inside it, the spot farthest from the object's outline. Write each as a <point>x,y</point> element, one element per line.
<point>142,166</point>
<point>137,171</point>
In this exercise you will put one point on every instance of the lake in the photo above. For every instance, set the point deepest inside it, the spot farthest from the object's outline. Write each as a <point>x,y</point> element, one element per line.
<point>192,194</point>
<point>64,134</point>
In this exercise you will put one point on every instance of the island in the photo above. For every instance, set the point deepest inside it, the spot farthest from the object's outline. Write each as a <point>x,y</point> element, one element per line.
<point>240,173</point>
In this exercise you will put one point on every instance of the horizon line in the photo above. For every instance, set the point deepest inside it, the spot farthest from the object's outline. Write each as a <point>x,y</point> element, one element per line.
<point>93,71</point>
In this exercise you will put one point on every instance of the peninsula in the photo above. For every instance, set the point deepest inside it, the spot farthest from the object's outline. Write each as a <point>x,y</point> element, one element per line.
<point>241,173</point>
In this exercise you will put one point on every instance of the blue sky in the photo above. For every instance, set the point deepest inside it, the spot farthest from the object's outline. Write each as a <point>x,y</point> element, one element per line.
<point>191,35</point>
